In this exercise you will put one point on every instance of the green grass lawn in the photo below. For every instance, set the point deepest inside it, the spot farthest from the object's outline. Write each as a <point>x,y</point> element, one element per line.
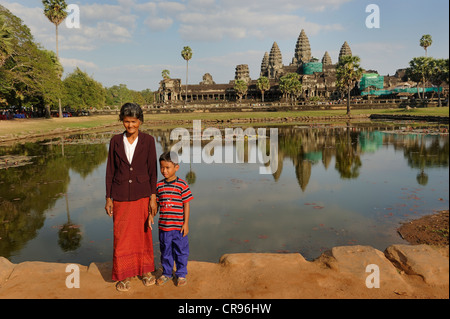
<point>435,111</point>
<point>42,126</point>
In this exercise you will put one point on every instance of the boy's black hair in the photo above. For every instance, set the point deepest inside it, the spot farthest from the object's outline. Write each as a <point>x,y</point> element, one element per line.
<point>131,110</point>
<point>169,157</point>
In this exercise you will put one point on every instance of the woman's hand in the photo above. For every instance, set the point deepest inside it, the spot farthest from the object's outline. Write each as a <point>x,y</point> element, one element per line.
<point>109,207</point>
<point>150,221</point>
<point>153,207</point>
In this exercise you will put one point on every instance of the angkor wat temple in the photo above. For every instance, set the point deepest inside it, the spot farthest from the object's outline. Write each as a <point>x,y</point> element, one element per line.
<point>318,78</point>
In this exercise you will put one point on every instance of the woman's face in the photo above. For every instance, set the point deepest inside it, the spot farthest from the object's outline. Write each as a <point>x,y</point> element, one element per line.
<point>131,124</point>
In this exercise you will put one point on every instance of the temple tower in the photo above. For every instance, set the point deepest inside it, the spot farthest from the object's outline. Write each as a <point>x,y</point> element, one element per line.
<point>265,65</point>
<point>242,73</point>
<point>345,50</point>
<point>302,50</point>
<point>326,60</point>
<point>275,61</point>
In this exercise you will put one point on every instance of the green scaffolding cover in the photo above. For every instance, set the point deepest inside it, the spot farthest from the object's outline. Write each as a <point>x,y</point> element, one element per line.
<point>311,67</point>
<point>371,80</point>
<point>407,90</point>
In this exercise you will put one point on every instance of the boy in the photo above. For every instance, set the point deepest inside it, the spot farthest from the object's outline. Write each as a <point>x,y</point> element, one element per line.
<point>173,196</point>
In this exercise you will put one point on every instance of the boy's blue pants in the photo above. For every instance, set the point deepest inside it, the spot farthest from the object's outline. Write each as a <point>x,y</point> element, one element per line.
<point>174,247</point>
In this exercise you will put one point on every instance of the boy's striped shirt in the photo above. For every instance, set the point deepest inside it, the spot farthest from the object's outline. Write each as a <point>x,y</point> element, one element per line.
<point>170,197</point>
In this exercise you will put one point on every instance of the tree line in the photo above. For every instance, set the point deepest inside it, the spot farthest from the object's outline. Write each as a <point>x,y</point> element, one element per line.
<point>31,77</point>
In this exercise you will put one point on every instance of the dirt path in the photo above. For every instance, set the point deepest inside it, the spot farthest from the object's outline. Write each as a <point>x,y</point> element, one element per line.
<point>430,230</point>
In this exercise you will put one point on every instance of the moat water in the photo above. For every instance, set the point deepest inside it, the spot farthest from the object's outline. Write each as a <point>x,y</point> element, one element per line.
<point>335,185</point>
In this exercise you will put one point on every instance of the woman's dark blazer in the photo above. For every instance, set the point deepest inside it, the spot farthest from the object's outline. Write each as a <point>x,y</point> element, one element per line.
<point>130,182</point>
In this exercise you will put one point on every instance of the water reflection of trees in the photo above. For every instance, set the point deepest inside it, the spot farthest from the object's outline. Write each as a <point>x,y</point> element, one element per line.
<point>423,152</point>
<point>309,146</point>
<point>27,192</point>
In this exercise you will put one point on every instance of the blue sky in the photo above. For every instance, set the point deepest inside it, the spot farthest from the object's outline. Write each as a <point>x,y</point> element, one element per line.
<point>132,41</point>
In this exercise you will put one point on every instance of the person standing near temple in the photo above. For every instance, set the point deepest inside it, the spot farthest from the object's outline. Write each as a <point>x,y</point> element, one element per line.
<point>131,176</point>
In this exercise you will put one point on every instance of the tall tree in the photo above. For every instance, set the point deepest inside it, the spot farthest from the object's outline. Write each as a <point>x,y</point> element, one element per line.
<point>55,11</point>
<point>439,75</point>
<point>82,91</point>
<point>425,42</point>
<point>348,72</point>
<point>187,55</point>
<point>165,74</point>
<point>263,85</point>
<point>290,85</point>
<point>6,45</point>
<point>29,77</point>
<point>420,70</point>
<point>241,88</point>
<point>117,95</point>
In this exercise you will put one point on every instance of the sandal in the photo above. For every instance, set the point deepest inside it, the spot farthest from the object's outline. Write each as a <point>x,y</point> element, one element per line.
<point>163,280</point>
<point>123,285</point>
<point>181,282</point>
<point>148,280</point>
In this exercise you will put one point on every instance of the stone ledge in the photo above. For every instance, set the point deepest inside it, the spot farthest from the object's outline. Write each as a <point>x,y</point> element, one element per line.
<point>420,260</point>
<point>405,272</point>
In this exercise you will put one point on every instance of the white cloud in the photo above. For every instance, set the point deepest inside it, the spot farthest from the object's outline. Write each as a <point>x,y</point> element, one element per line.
<point>73,63</point>
<point>171,7</point>
<point>197,20</point>
<point>243,23</point>
<point>284,5</point>
<point>158,24</point>
<point>99,24</point>
<point>214,20</point>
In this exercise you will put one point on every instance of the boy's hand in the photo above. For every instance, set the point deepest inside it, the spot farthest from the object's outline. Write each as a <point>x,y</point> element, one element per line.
<point>184,230</point>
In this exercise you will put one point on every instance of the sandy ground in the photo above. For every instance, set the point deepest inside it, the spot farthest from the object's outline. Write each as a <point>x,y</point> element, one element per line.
<point>403,272</point>
<point>342,274</point>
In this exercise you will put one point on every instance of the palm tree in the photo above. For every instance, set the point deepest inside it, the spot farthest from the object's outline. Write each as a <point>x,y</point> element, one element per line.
<point>187,55</point>
<point>55,11</point>
<point>348,72</point>
<point>439,75</point>
<point>425,42</point>
<point>241,88</point>
<point>263,85</point>
<point>420,70</point>
<point>290,85</point>
<point>6,45</point>
<point>165,74</point>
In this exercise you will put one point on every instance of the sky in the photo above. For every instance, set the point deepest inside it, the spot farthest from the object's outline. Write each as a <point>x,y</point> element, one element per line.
<point>131,41</point>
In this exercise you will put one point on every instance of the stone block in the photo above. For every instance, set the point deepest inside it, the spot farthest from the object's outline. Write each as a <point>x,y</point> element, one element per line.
<point>420,260</point>
<point>261,260</point>
<point>353,260</point>
<point>6,268</point>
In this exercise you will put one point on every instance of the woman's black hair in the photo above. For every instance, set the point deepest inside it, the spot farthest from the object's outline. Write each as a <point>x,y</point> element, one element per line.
<point>131,110</point>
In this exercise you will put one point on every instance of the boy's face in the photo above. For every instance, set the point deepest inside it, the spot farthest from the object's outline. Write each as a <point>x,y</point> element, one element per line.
<point>168,169</point>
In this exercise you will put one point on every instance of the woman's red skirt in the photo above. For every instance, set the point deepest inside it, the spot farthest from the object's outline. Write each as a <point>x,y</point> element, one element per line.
<point>133,245</point>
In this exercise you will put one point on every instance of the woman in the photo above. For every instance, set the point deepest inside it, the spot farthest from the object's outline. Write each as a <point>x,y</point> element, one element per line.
<point>131,175</point>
